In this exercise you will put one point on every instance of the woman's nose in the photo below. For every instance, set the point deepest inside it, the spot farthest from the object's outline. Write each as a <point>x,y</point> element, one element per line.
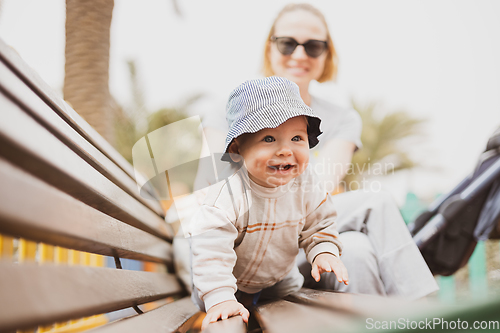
<point>299,53</point>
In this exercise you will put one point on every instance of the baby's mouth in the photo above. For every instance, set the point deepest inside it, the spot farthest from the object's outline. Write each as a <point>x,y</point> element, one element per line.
<point>281,167</point>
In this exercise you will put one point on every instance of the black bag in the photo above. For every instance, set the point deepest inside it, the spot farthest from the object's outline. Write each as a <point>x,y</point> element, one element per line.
<point>448,231</point>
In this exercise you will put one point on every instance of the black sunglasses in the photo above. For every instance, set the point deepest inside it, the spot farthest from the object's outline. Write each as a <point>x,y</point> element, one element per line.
<point>286,45</point>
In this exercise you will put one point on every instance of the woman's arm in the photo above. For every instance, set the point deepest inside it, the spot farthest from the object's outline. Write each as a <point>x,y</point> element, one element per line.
<point>337,155</point>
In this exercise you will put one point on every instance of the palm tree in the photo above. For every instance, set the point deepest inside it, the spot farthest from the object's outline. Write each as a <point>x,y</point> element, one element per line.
<point>382,138</point>
<point>86,77</point>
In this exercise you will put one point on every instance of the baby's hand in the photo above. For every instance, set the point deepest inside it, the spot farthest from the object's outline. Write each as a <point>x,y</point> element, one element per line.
<point>225,310</point>
<point>327,262</point>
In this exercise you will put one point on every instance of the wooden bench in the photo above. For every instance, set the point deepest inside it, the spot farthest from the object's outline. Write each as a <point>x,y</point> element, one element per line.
<point>62,184</point>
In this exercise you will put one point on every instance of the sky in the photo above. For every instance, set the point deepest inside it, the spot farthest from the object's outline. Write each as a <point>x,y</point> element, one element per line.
<point>437,60</point>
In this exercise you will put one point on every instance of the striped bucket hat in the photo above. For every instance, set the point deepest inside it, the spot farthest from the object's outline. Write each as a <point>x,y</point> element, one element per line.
<point>267,103</point>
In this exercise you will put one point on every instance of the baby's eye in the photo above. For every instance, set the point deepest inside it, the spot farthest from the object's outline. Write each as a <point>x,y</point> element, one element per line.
<point>268,138</point>
<point>296,138</point>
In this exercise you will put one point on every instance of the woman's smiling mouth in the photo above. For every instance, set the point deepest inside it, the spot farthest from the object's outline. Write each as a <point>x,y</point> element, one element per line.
<point>297,70</point>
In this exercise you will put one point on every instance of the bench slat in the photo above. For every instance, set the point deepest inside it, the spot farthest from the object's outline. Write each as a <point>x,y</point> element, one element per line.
<point>54,123</point>
<point>34,210</point>
<point>286,317</point>
<point>360,305</point>
<point>46,93</point>
<point>39,295</point>
<point>26,143</point>
<point>167,318</point>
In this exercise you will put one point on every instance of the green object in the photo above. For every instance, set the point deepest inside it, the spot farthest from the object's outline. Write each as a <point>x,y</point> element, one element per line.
<point>478,280</point>
<point>412,207</point>
<point>447,289</point>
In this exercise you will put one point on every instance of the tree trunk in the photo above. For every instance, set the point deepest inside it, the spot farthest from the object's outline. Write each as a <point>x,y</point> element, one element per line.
<point>86,80</point>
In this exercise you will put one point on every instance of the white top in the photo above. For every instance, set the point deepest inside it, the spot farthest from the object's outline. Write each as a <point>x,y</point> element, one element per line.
<point>336,122</point>
<point>249,236</point>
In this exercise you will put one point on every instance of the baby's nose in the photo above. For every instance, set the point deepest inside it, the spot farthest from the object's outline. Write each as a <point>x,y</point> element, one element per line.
<point>284,150</point>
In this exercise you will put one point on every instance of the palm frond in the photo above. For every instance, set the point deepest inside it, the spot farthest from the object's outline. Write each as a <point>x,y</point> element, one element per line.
<point>383,137</point>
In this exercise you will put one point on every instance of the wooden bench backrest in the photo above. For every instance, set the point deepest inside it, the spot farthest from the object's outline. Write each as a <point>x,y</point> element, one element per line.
<point>63,184</point>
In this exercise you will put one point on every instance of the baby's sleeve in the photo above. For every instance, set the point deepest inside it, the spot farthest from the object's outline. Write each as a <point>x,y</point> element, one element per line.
<point>320,232</point>
<point>214,257</point>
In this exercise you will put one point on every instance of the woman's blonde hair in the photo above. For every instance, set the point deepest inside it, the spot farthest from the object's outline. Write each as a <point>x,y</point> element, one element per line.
<point>331,61</point>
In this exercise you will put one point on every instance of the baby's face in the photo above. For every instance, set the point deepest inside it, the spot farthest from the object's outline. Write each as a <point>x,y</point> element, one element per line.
<point>274,156</point>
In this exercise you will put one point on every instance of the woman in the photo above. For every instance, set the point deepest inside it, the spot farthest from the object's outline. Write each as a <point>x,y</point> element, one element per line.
<point>379,253</point>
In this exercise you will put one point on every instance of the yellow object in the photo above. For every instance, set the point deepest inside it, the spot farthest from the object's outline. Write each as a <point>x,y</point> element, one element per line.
<point>73,257</point>
<point>81,325</point>
<point>61,255</point>
<point>84,259</point>
<point>27,251</point>
<point>58,326</point>
<point>46,253</point>
<point>6,247</point>
<point>96,260</point>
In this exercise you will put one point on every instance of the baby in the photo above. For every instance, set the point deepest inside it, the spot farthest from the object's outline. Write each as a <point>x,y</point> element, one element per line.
<point>253,223</point>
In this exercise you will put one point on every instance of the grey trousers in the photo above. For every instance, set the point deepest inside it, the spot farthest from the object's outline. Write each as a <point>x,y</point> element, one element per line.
<point>379,253</point>
<point>380,256</point>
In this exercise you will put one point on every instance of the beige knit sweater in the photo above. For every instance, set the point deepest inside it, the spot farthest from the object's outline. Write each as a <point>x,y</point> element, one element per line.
<point>248,236</point>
